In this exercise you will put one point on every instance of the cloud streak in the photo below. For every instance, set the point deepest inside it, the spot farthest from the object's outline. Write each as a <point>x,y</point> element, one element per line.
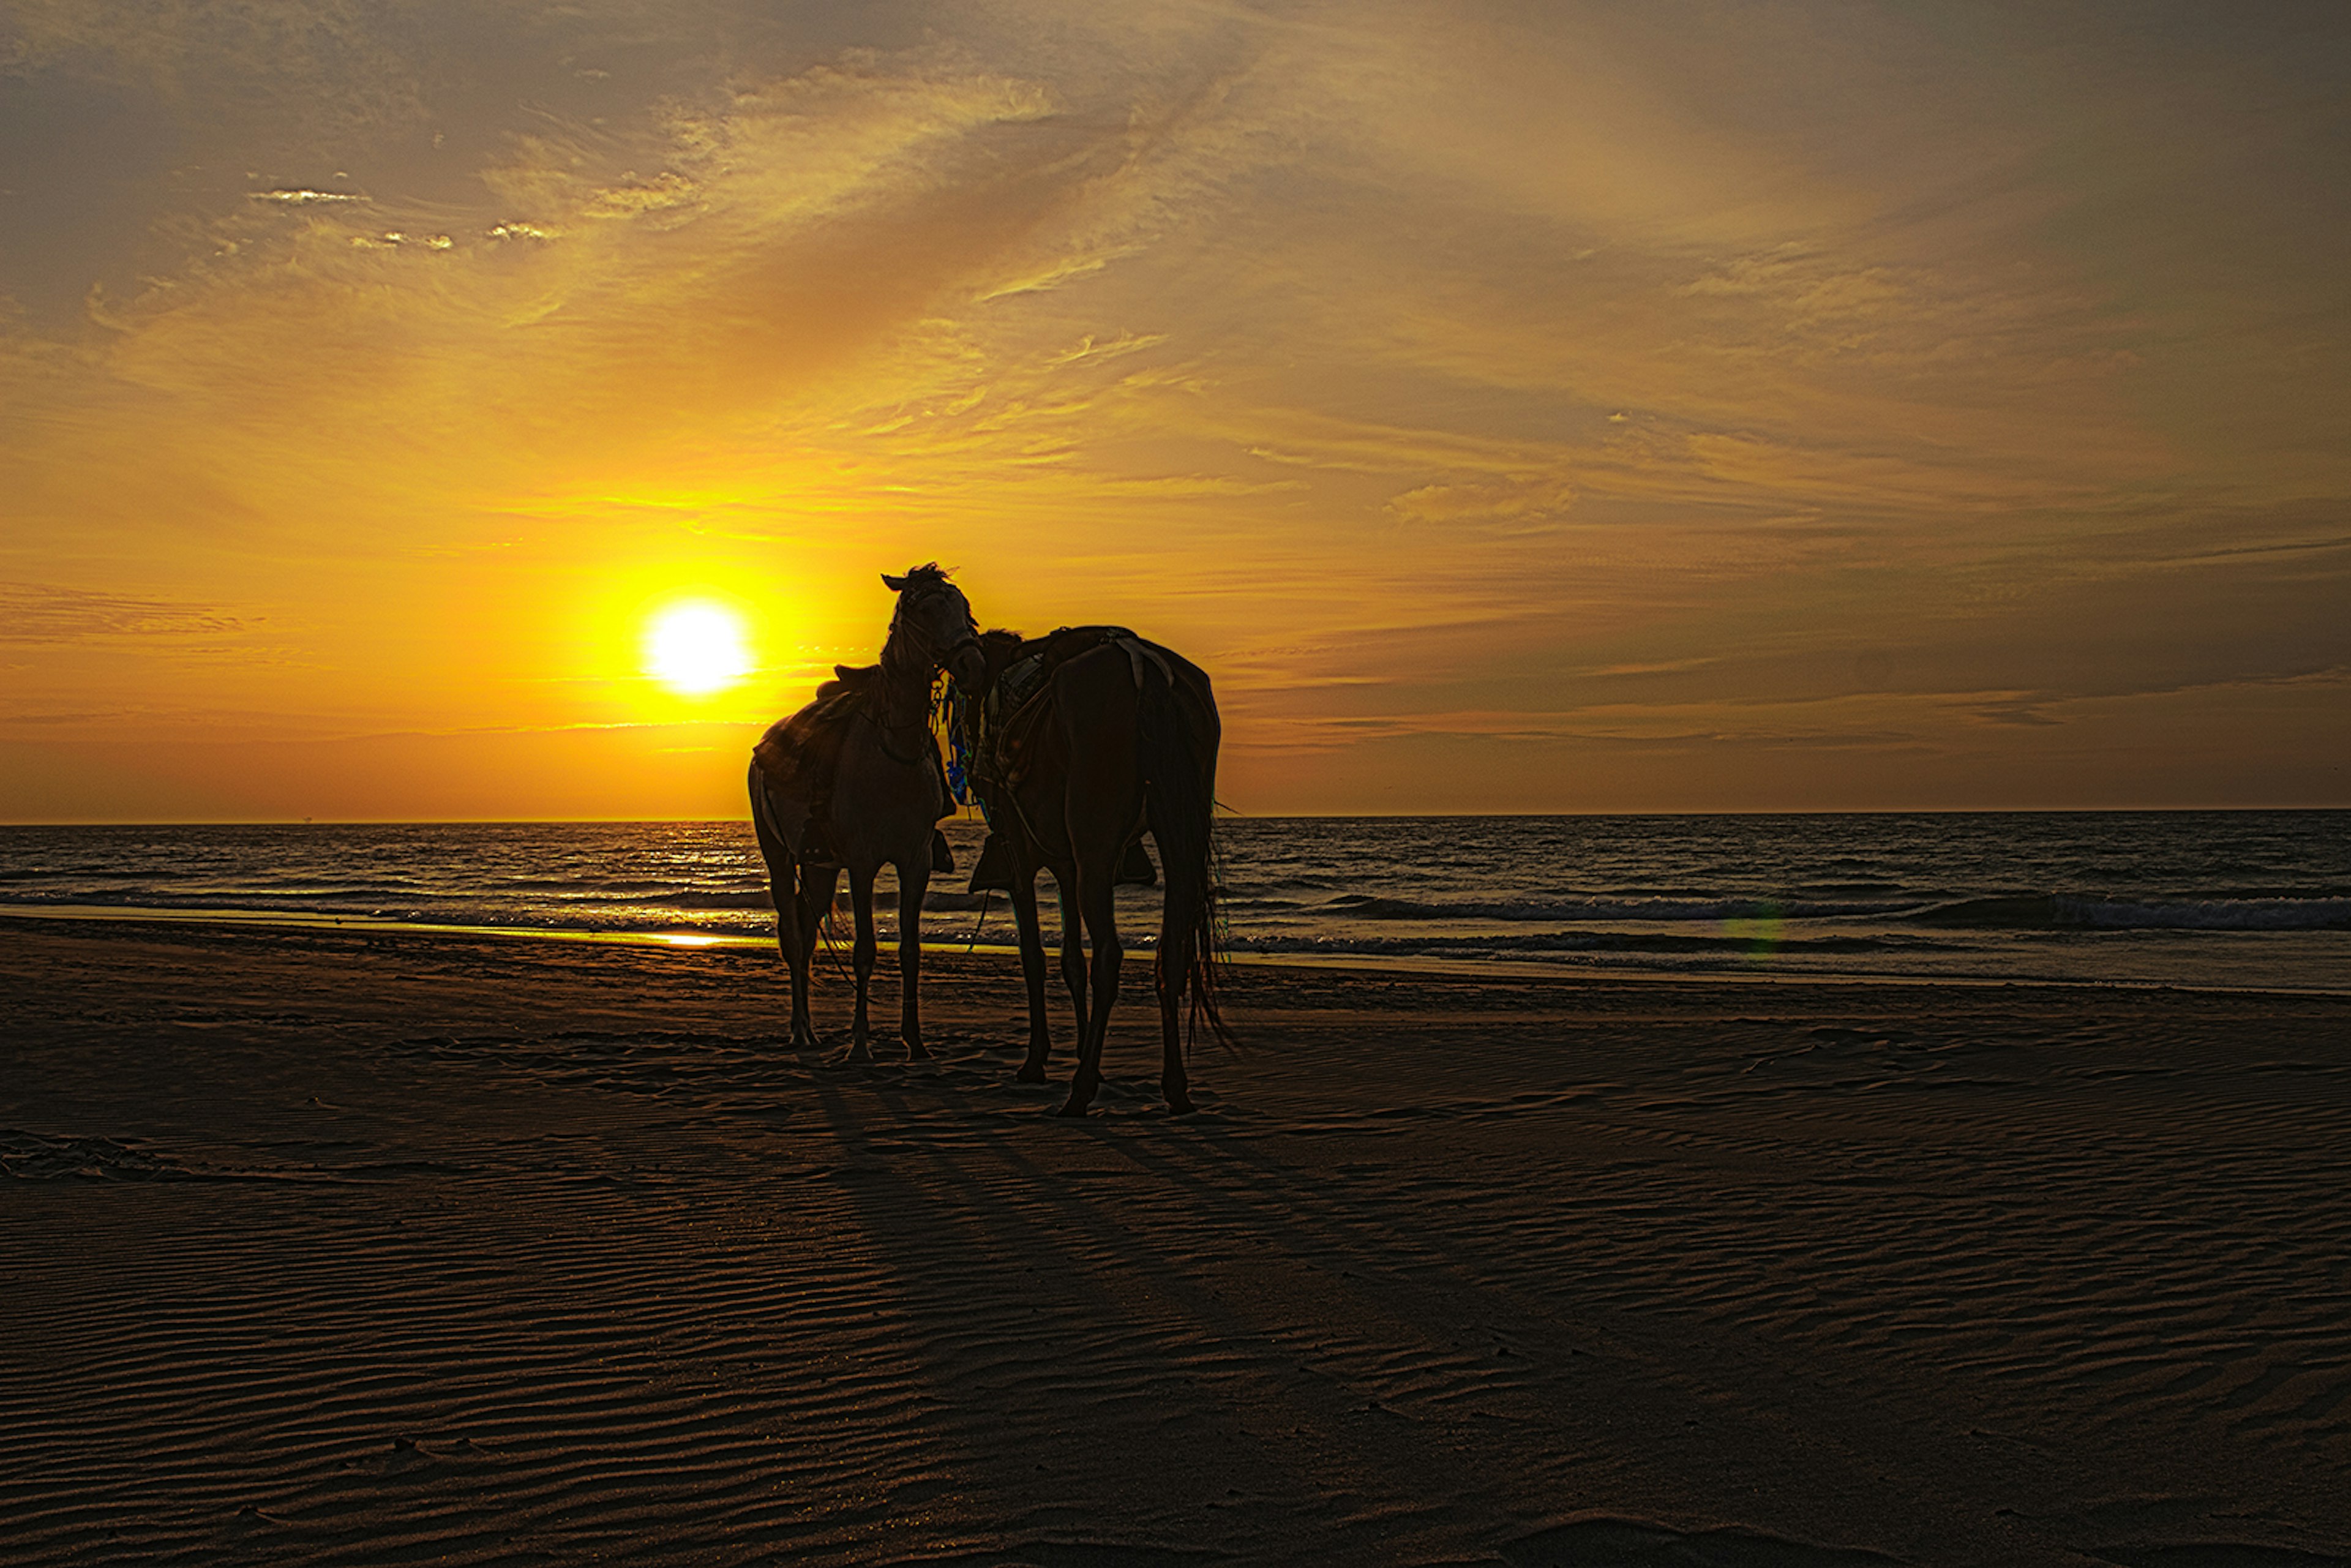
<point>42,613</point>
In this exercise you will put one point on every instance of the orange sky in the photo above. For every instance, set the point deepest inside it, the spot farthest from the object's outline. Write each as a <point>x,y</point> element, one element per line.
<point>1547,407</point>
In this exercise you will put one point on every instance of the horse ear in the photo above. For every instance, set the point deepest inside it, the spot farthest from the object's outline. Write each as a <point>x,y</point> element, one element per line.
<point>895,584</point>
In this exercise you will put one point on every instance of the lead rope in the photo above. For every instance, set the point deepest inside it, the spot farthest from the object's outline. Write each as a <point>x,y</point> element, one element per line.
<point>986,896</point>
<point>832,948</point>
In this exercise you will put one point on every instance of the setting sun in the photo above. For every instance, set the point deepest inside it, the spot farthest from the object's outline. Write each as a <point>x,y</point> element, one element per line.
<point>696,649</point>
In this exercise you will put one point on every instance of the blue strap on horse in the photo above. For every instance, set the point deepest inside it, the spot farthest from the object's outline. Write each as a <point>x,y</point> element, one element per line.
<point>950,717</point>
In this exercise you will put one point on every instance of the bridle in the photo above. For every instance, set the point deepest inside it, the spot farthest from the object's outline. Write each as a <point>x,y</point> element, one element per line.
<point>924,648</point>
<point>939,658</point>
<point>930,652</point>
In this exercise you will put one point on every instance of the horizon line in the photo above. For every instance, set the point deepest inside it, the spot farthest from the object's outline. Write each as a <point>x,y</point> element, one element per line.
<point>1223,816</point>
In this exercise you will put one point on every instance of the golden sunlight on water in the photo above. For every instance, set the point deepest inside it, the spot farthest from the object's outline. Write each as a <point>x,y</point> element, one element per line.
<point>696,648</point>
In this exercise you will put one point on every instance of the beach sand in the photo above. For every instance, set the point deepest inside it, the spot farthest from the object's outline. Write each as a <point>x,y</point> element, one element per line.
<point>319,1247</point>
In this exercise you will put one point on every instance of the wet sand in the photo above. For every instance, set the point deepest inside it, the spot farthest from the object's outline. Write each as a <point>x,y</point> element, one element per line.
<point>321,1248</point>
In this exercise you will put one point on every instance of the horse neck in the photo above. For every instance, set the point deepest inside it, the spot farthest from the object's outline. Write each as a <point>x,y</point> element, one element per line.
<point>905,688</point>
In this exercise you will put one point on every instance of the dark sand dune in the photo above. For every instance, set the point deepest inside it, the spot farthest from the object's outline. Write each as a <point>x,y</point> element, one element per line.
<point>324,1250</point>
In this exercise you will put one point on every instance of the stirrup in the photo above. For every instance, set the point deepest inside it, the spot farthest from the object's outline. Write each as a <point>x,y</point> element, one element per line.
<point>942,857</point>
<point>994,872</point>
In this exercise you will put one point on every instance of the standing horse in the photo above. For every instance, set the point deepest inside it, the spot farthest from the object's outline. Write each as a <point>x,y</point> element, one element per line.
<point>1080,741</point>
<point>888,795</point>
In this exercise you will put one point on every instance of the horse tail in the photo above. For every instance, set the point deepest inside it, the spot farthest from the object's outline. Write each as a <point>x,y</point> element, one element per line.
<point>783,861</point>
<point>1183,820</point>
<point>763,815</point>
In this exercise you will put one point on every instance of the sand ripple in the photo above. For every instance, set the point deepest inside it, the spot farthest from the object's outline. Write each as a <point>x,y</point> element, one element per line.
<point>489,1256</point>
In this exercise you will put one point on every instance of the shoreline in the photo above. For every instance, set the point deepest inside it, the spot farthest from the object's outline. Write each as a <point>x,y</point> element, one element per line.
<point>1400,964</point>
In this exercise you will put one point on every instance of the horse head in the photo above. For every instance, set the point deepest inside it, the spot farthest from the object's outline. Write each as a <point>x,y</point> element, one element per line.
<point>935,620</point>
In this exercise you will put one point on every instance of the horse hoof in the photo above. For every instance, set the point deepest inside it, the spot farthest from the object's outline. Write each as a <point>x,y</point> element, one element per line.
<point>1071,1109</point>
<point>1180,1107</point>
<point>1030,1075</point>
<point>914,1052</point>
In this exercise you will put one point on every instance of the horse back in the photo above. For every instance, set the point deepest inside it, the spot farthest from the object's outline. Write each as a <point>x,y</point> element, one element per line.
<point>795,749</point>
<point>1084,705</point>
<point>1089,684</point>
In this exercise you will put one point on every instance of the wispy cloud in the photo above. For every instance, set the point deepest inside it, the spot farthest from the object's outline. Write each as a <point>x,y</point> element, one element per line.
<point>42,613</point>
<point>1428,371</point>
<point>300,197</point>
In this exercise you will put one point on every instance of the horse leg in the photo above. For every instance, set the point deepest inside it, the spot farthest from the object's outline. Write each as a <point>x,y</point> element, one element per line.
<point>1032,972</point>
<point>791,929</point>
<point>787,901</point>
<point>1095,899</point>
<point>815,903</point>
<point>861,902</point>
<point>1073,947</point>
<point>777,856</point>
<point>1178,933</point>
<point>913,879</point>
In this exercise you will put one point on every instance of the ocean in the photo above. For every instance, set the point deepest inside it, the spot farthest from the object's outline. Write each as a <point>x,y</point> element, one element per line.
<point>2255,900</point>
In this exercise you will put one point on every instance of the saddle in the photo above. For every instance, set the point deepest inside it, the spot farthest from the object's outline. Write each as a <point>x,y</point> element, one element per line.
<point>1008,715</point>
<point>799,752</point>
<point>1013,706</point>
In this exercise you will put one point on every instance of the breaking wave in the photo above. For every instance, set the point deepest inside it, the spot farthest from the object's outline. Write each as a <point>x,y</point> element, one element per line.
<point>1361,906</point>
<point>2239,898</point>
<point>2069,912</point>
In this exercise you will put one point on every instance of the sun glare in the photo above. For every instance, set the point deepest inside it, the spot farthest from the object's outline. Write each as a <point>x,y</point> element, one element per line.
<point>696,649</point>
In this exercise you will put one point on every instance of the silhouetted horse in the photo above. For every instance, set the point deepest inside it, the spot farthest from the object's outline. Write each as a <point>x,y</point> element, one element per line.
<point>888,795</point>
<point>1079,742</point>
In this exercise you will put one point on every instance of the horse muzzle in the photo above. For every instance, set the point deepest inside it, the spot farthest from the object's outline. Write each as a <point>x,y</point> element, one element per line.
<point>966,665</point>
